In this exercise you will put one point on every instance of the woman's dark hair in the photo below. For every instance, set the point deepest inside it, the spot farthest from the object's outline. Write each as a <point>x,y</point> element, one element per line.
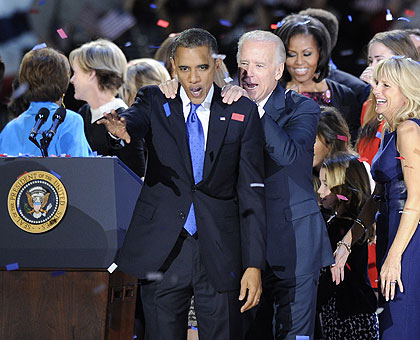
<point>47,74</point>
<point>333,130</point>
<point>299,24</point>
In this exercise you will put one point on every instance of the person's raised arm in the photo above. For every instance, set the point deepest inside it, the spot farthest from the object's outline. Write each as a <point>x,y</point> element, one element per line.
<point>115,125</point>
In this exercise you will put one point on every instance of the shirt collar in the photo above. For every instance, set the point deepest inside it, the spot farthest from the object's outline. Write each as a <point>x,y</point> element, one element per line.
<point>205,104</point>
<point>261,104</point>
<point>114,104</point>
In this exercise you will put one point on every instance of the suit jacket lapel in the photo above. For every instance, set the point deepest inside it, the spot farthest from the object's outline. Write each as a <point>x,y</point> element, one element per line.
<point>179,131</point>
<point>218,123</point>
<point>276,103</point>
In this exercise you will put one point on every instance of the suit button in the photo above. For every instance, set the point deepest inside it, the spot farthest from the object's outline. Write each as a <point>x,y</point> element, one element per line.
<point>182,215</point>
<point>193,188</point>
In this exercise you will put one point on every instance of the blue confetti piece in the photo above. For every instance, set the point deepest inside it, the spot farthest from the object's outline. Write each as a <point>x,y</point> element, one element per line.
<point>42,2</point>
<point>57,273</point>
<point>378,135</point>
<point>152,6</point>
<point>194,328</point>
<point>154,46</point>
<point>333,66</point>
<point>127,44</point>
<point>12,266</point>
<point>300,23</point>
<point>55,174</point>
<point>280,23</point>
<point>225,22</point>
<point>39,46</point>
<point>350,18</point>
<point>232,274</point>
<point>167,109</point>
<point>302,337</point>
<point>404,19</point>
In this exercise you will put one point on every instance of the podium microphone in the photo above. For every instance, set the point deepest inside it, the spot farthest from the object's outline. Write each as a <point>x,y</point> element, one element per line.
<point>40,119</point>
<point>58,118</point>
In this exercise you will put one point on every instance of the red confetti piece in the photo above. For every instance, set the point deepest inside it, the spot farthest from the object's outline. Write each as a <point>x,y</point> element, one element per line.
<point>341,197</point>
<point>362,159</point>
<point>273,26</point>
<point>347,265</point>
<point>400,157</point>
<point>22,174</point>
<point>410,13</point>
<point>163,23</point>
<point>237,116</point>
<point>61,33</point>
<point>343,138</point>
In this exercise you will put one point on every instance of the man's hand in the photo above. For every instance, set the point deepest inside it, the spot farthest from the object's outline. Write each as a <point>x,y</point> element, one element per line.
<point>251,281</point>
<point>232,93</point>
<point>169,88</point>
<point>115,125</point>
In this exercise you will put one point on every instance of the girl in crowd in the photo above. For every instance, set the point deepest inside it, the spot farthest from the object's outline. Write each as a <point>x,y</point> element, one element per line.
<point>382,46</point>
<point>99,71</point>
<point>395,168</point>
<point>307,44</point>
<point>347,311</point>
<point>46,74</point>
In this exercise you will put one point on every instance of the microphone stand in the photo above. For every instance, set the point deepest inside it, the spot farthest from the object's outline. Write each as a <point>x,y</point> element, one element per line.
<point>45,143</point>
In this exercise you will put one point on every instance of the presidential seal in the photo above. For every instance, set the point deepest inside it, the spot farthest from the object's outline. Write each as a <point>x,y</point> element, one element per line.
<point>37,201</point>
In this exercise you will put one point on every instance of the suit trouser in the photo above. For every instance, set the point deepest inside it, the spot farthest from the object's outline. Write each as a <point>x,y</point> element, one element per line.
<point>287,308</point>
<point>166,302</point>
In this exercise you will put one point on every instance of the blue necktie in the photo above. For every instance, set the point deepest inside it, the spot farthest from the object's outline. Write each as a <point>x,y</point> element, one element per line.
<point>196,142</point>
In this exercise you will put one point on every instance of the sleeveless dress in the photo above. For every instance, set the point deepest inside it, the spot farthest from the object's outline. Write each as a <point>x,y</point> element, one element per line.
<point>400,318</point>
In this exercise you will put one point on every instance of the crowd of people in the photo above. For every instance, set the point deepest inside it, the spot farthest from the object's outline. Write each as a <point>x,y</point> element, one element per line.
<point>266,205</point>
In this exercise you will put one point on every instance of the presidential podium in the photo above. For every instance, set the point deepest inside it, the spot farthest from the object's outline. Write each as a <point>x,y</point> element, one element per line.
<point>62,223</point>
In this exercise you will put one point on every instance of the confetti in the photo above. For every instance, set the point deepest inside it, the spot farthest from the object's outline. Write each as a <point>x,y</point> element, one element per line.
<point>254,185</point>
<point>350,18</point>
<point>379,310</point>
<point>404,19</point>
<point>343,138</point>
<point>345,53</point>
<point>388,16</point>
<point>37,47</point>
<point>300,23</point>
<point>302,337</point>
<point>57,273</point>
<point>99,289</point>
<point>153,6</point>
<point>225,22</point>
<point>232,274</point>
<point>400,157</point>
<point>218,56</point>
<point>61,33</point>
<point>228,79</point>
<point>410,13</point>
<point>362,159</point>
<point>273,26</point>
<point>333,66</point>
<point>167,109</point>
<point>55,174</point>
<point>342,198</point>
<point>154,276</point>
<point>347,265</point>
<point>22,88</point>
<point>12,266</point>
<point>162,23</point>
<point>42,2</point>
<point>378,135</point>
<point>154,46</point>
<point>112,267</point>
<point>127,44</point>
<point>222,118</point>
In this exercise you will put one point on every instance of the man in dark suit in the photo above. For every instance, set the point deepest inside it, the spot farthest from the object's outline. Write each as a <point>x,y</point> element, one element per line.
<point>199,223</point>
<point>297,240</point>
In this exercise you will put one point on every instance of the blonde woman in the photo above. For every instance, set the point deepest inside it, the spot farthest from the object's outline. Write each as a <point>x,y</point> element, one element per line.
<point>395,168</point>
<point>99,71</point>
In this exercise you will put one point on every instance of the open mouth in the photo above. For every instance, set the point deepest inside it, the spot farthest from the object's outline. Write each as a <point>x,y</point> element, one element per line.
<point>380,101</point>
<point>249,86</point>
<point>301,71</point>
<point>196,91</point>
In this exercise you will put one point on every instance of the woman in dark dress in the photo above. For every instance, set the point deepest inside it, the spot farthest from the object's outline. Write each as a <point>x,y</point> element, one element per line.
<point>395,168</point>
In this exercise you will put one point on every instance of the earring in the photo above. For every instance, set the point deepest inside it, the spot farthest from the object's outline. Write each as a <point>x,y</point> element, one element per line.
<point>380,117</point>
<point>62,100</point>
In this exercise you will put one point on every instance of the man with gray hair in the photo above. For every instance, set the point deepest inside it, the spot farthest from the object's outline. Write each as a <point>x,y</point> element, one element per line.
<point>297,240</point>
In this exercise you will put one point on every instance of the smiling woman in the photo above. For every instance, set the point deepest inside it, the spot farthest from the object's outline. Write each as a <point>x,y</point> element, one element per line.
<point>307,45</point>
